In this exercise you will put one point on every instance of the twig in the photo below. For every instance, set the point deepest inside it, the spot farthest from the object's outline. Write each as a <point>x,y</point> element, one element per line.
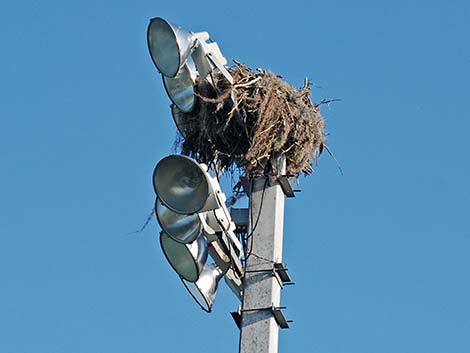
<point>248,83</point>
<point>327,102</point>
<point>149,218</point>
<point>333,156</point>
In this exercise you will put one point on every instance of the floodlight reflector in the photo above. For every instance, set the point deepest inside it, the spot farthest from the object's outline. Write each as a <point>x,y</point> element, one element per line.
<point>180,88</point>
<point>183,185</point>
<point>205,288</point>
<point>187,260</point>
<point>169,45</point>
<point>182,228</point>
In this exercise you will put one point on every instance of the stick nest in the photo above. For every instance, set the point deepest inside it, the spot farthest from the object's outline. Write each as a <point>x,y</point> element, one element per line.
<point>245,124</point>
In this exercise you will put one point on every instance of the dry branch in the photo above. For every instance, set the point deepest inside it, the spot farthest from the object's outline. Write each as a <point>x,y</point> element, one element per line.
<point>258,117</point>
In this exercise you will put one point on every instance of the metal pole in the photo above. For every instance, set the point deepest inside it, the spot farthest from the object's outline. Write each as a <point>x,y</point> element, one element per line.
<point>259,330</point>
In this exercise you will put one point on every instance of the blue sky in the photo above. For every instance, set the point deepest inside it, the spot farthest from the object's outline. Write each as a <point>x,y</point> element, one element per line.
<point>380,256</point>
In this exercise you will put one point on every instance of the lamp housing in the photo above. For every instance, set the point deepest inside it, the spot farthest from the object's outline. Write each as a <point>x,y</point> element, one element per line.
<point>180,88</point>
<point>184,185</point>
<point>181,227</point>
<point>187,260</point>
<point>205,288</point>
<point>170,45</point>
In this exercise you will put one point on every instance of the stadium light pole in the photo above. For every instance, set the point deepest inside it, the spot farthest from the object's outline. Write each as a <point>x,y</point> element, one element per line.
<point>261,314</point>
<point>186,192</point>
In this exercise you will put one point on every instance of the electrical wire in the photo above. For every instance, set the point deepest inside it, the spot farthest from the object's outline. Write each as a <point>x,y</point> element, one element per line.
<point>250,235</point>
<point>263,258</point>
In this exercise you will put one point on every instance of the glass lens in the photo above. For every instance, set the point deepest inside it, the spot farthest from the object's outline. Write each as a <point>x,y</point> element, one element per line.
<point>197,295</point>
<point>181,89</point>
<point>180,257</point>
<point>163,47</point>
<point>186,259</point>
<point>181,184</point>
<point>182,228</point>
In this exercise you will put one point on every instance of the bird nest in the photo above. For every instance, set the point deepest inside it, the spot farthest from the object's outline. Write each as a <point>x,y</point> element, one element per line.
<point>245,124</point>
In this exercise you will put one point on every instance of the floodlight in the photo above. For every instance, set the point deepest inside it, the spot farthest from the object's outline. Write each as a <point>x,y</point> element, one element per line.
<point>190,208</point>
<point>170,45</point>
<point>180,88</point>
<point>182,228</point>
<point>184,186</point>
<point>205,288</point>
<point>187,260</point>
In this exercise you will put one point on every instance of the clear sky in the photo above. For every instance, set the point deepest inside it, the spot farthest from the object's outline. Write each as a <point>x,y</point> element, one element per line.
<point>380,256</point>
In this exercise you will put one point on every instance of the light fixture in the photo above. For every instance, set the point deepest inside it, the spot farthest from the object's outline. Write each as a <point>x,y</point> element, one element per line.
<point>180,88</point>
<point>170,46</point>
<point>187,260</point>
<point>204,289</point>
<point>184,186</point>
<point>190,208</point>
<point>182,228</point>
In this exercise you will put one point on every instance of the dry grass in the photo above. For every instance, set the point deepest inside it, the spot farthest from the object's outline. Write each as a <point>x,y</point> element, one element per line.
<point>244,125</point>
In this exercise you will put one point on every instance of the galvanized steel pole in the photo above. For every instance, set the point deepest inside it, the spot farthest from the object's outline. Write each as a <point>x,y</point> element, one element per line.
<point>259,330</point>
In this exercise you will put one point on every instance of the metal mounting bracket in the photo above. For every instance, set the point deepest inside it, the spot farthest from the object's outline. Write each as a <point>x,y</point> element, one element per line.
<point>285,186</point>
<point>276,311</point>
<point>279,271</point>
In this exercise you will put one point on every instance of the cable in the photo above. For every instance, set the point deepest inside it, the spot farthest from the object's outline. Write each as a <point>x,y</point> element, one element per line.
<point>250,235</point>
<point>263,258</point>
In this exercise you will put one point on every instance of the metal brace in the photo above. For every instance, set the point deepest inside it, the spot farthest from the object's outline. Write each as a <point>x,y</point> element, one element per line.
<point>276,311</point>
<point>279,271</point>
<point>285,186</point>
